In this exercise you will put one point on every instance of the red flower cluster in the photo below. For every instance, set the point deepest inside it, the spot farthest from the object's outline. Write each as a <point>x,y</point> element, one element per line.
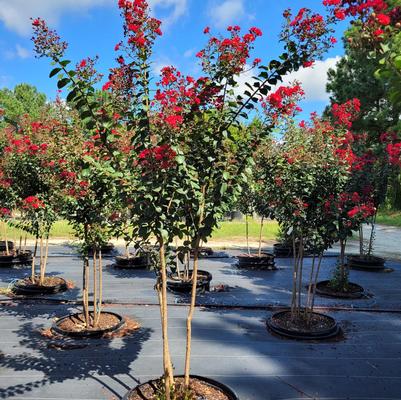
<point>345,114</point>
<point>394,152</point>
<point>363,211</point>
<point>283,102</point>
<point>159,157</point>
<point>25,145</point>
<point>230,54</point>
<point>32,202</point>
<point>5,212</point>
<point>140,29</point>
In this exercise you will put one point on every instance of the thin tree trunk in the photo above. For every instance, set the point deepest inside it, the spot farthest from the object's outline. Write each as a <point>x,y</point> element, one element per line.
<point>5,238</point>
<point>42,256</point>
<point>342,259</point>
<point>301,266</point>
<point>294,277</point>
<point>33,261</point>
<point>360,240</point>
<point>247,233</point>
<point>94,287</point>
<point>372,234</point>
<point>260,237</point>
<point>100,299</point>
<point>43,266</point>
<point>20,243</point>
<point>315,283</point>
<point>310,285</point>
<point>193,294</point>
<point>85,288</point>
<point>127,250</point>
<point>168,369</point>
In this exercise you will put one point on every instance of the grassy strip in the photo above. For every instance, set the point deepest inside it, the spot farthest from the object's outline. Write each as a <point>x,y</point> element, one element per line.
<point>236,230</point>
<point>392,218</point>
<point>227,231</point>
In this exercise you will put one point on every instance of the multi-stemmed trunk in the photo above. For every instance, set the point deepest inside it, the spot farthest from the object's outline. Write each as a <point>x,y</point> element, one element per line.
<point>297,309</point>
<point>6,238</point>
<point>43,258</point>
<point>247,233</point>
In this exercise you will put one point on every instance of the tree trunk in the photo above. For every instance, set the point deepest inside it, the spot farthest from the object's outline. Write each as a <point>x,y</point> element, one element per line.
<point>33,261</point>
<point>361,240</point>
<point>94,287</point>
<point>372,234</point>
<point>43,266</point>
<point>167,367</point>
<point>247,234</point>
<point>260,237</point>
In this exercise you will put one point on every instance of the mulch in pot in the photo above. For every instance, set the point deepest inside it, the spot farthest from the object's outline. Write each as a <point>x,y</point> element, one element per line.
<point>201,389</point>
<point>352,291</point>
<point>177,284</point>
<point>51,285</point>
<point>320,326</point>
<point>74,325</point>
<point>366,262</point>
<point>253,261</point>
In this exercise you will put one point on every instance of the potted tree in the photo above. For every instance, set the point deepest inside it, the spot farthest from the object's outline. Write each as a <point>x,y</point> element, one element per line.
<point>185,162</point>
<point>300,173</point>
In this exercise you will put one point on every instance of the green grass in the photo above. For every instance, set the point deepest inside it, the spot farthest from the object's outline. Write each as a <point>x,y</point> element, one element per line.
<point>236,229</point>
<point>392,218</point>
<point>228,230</point>
<point>61,230</point>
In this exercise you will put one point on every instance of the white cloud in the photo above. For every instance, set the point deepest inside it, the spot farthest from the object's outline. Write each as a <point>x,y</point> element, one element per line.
<point>175,8</point>
<point>189,53</point>
<point>227,12</point>
<point>314,79</point>
<point>15,14</point>
<point>18,52</point>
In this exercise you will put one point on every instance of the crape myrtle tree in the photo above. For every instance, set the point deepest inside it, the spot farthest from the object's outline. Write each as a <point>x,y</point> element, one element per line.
<point>184,163</point>
<point>26,153</point>
<point>299,175</point>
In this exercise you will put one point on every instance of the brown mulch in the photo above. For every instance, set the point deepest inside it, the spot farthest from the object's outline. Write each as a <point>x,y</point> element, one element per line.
<point>76,323</point>
<point>130,326</point>
<point>351,288</point>
<point>199,391</point>
<point>49,281</point>
<point>317,322</point>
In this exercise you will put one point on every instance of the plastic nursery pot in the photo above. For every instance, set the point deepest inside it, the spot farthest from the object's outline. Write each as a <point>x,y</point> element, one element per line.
<point>176,284</point>
<point>77,329</point>
<point>24,287</point>
<point>366,262</point>
<point>6,260</point>
<point>203,252</point>
<point>147,391</point>
<point>325,327</point>
<point>24,256</point>
<point>253,261</point>
<point>132,262</point>
<point>354,291</point>
<point>106,248</point>
<point>282,250</point>
<point>3,245</point>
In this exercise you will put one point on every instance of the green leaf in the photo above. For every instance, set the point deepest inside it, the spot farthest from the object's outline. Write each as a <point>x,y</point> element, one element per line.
<point>54,71</point>
<point>63,82</point>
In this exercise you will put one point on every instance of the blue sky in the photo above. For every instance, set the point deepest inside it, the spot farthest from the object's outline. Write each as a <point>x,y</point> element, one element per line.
<point>93,27</point>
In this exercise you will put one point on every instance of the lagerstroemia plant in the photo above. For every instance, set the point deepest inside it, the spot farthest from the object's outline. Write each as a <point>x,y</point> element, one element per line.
<point>189,152</point>
<point>297,177</point>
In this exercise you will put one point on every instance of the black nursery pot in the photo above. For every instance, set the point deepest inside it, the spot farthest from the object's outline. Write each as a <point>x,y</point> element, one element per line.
<point>207,381</point>
<point>254,261</point>
<point>282,250</point>
<point>6,260</point>
<point>177,285</point>
<point>94,333</point>
<point>355,291</point>
<point>330,330</point>
<point>136,262</point>
<point>106,248</point>
<point>366,262</point>
<point>3,245</point>
<point>24,256</point>
<point>203,252</point>
<point>36,290</point>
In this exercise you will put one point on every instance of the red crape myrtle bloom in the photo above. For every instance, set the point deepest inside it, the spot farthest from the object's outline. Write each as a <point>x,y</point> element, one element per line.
<point>32,203</point>
<point>156,158</point>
